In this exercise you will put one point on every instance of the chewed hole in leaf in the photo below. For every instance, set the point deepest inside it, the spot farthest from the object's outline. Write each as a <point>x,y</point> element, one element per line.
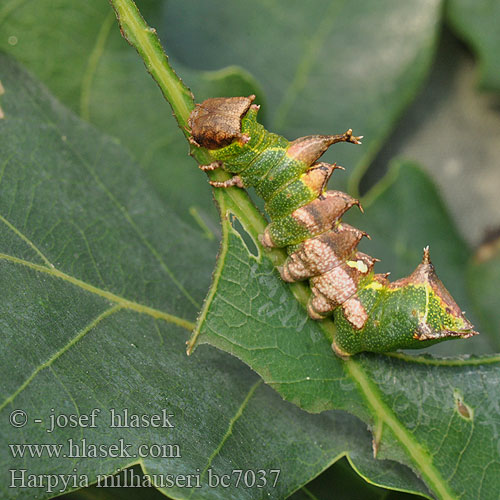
<point>248,241</point>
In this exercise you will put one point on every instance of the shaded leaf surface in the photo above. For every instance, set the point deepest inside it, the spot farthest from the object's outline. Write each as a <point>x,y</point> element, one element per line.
<point>340,474</point>
<point>451,130</point>
<point>115,492</point>
<point>343,480</point>
<point>483,278</point>
<point>477,22</point>
<point>98,280</point>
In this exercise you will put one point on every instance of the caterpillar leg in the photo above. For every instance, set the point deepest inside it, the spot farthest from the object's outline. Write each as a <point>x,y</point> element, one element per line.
<point>211,166</point>
<point>340,352</point>
<point>319,306</point>
<point>192,140</point>
<point>234,181</point>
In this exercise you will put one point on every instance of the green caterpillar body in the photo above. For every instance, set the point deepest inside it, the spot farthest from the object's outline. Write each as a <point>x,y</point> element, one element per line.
<point>370,313</point>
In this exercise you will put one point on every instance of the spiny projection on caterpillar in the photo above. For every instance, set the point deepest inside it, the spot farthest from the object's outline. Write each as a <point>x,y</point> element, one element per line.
<point>370,313</point>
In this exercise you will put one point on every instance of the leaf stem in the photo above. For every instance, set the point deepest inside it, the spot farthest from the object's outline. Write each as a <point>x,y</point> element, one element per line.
<point>145,40</point>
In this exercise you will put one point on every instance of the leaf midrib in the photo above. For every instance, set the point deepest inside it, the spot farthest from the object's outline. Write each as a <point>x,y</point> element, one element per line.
<point>117,299</point>
<point>419,456</point>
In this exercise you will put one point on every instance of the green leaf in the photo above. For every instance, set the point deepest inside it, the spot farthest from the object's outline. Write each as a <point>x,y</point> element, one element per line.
<point>477,22</point>
<point>434,415</point>
<point>100,281</point>
<point>324,66</point>
<point>483,275</point>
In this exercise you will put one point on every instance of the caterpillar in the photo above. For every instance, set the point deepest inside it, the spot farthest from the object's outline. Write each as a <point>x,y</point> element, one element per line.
<point>370,312</point>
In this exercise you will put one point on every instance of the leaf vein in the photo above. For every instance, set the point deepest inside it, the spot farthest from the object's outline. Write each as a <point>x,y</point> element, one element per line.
<point>232,422</point>
<point>92,63</point>
<point>27,241</point>
<point>465,361</point>
<point>121,301</point>
<point>122,210</point>
<point>59,353</point>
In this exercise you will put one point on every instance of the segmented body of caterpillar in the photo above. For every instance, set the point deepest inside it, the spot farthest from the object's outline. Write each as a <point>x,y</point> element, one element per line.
<point>370,313</point>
